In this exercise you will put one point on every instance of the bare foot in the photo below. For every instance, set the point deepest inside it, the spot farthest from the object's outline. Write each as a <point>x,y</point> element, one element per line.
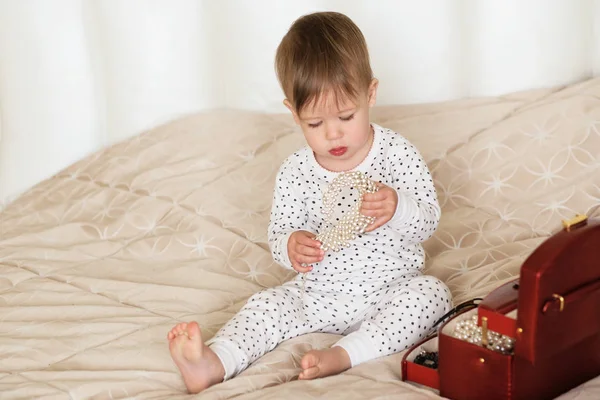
<point>199,365</point>
<point>321,363</point>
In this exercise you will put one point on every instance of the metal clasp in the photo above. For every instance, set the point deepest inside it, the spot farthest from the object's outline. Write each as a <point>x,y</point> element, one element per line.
<point>561,301</point>
<point>579,219</point>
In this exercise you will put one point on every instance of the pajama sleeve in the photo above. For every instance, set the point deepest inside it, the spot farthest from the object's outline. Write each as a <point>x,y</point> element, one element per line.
<point>288,213</point>
<point>418,212</point>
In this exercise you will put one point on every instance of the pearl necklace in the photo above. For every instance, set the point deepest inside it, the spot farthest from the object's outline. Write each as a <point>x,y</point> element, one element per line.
<point>467,329</point>
<point>352,223</point>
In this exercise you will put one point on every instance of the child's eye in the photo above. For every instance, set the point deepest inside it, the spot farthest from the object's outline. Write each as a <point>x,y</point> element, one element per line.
<point>315,125</point>
<point>348,118</point>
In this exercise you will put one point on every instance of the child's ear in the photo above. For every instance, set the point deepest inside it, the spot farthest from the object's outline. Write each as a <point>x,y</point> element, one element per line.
<point>289,106</point>
<point>373,92</point>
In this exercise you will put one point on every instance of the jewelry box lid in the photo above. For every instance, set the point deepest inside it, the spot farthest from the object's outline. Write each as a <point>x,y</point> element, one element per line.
<point>559,291</point>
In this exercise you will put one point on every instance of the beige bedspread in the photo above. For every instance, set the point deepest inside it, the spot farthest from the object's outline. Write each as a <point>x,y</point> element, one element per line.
<point>99,262</point>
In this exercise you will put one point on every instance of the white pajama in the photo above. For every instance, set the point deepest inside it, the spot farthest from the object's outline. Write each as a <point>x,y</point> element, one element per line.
<point>386,322</point>
<point>372,292</point>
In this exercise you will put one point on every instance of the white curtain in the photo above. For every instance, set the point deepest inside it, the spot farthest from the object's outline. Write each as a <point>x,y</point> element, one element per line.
<point>76,75</point>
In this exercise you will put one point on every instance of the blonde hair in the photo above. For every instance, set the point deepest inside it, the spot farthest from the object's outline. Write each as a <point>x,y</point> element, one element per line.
<point>320,52</point>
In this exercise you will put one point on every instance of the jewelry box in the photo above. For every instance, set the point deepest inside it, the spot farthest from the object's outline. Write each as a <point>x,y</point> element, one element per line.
<point>535,337</point>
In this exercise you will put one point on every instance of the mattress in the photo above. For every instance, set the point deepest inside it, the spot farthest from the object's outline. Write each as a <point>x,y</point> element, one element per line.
<point>100,261</point>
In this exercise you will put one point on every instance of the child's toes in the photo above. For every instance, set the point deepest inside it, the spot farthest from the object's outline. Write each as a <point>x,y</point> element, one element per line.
<point>309,373</point>
<point>177,330</point>
<point>180,328</point>
<point>172,333</point>
<point>309,360</point>
<point>183,333</point>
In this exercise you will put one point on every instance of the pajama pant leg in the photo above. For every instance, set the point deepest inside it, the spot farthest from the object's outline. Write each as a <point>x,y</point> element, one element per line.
<point>404,315</point>
<point>268,318</point>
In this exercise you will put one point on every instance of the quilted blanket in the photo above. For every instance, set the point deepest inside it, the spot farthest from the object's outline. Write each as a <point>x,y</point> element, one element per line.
<point>100,261</point>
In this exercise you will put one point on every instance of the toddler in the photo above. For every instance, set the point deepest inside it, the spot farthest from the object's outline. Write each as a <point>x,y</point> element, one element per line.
<point>372,292</point>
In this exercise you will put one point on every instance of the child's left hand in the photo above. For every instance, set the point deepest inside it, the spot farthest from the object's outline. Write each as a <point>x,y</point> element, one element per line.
<point>381,205</point>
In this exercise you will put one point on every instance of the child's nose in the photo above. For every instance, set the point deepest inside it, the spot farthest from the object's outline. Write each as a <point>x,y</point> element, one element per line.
<point>333,132</point>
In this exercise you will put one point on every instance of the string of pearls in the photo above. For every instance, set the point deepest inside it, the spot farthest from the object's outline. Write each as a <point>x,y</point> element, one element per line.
<point>352,222</point>
<point>467,329</point>
<point>339,235</point>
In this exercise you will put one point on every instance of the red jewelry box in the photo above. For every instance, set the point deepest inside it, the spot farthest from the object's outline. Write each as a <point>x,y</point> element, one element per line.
<point>553,314</point>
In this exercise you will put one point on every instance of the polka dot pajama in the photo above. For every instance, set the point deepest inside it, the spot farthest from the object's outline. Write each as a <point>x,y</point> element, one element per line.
<point>385,322</point>
<point>373,292</point>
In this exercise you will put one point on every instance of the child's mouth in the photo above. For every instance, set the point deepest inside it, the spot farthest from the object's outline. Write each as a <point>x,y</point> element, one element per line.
<point>338,151</point>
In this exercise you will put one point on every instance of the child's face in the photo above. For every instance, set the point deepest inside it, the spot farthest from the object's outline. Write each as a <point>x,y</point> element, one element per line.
<point>339,133</point>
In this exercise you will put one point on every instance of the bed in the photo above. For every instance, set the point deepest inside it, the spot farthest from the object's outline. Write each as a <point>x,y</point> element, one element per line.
<point>98,262</point>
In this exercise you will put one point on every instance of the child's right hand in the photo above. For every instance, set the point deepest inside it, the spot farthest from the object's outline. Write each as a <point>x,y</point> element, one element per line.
<point>304,249</point>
